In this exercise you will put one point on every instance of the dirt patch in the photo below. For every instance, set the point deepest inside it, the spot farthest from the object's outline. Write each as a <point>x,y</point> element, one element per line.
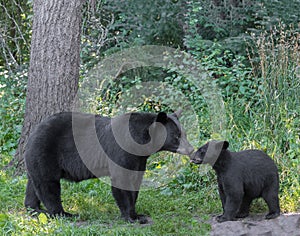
<point>284,225</point>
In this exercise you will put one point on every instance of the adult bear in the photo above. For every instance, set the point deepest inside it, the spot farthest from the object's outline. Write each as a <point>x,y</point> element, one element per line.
<point>79,146</point>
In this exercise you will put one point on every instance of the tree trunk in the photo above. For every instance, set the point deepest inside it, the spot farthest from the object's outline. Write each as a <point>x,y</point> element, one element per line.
<point>54,63</point>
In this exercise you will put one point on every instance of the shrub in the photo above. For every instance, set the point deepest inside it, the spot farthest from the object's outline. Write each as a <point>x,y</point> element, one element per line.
<point>12,96</point>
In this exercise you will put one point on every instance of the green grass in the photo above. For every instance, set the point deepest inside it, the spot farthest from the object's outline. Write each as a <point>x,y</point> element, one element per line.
<point>178,214</point>
<point>184,209</point>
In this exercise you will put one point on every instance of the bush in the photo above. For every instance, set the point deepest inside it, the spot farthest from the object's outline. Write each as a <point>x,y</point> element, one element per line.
<point>12,96</point>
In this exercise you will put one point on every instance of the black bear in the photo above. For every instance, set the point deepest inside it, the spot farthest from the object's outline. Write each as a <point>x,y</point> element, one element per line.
<point>79,146</point>
<point>242,176</point>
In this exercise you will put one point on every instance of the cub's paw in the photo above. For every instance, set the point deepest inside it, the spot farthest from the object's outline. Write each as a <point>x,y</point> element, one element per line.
<point>222,218</point>
<point>242,214</point>
<point>272,215</point>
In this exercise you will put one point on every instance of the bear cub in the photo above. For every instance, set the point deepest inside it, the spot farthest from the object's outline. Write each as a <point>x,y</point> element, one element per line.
<point>242,176</point>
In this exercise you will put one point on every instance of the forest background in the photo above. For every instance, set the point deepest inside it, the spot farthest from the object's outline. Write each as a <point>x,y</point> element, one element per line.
<point>249,49</point>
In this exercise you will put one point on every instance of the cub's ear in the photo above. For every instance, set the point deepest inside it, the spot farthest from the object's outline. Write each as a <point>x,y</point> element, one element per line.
<point>225,145</point>
<point>177,113</point>
<point>162,117</point>
<point>222,145</point>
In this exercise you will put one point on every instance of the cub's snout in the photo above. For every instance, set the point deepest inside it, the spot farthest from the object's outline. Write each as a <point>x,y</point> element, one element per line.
<point>195,158</point>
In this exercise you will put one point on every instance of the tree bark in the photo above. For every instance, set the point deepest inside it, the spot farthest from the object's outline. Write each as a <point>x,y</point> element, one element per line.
<point>54,62</point>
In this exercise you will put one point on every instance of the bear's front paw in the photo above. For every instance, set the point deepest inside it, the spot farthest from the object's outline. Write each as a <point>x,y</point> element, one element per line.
<point>68,215</point>
<point>129,219</point>
<point>140,219</point>
<point>63,214</point>
<point>143,219</point>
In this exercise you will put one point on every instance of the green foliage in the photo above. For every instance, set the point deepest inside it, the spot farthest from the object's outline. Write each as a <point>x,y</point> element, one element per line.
<point>272,12</point>
<point>228,69</point>
<point>192,178</point>
<point>258,81</point>
<point>97,24</point>
<point>279,105</point>
<point>15,33</point>
<point>278,51</point>
<point>158,23</point>
<point>220,19</point>
<point>12,97</point>
<point>229,22</point>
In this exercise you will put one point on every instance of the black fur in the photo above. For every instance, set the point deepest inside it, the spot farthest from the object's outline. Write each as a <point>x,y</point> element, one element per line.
<point>242,177</point>
<point>52,153</point>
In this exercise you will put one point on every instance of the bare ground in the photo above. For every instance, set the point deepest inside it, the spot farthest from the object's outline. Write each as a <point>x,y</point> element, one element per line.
<point>284,225</point>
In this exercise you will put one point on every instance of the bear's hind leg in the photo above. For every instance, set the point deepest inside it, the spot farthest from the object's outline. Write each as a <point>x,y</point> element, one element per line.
<point>32,202</point>
<point>244,208</point>
<point>272,200</point>
<point>49,192</point>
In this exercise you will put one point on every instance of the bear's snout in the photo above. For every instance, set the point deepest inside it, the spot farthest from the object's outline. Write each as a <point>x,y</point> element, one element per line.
<point>194,158</point>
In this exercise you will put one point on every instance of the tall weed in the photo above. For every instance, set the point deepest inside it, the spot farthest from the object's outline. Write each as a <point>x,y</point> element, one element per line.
<point>278,70</point>
<point>278,107</point>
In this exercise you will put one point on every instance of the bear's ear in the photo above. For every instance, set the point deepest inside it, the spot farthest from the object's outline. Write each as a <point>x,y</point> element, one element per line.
<point>177,113</point>
<point>162,117</point>
<point>225,145</point>
<point>221,145</point>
